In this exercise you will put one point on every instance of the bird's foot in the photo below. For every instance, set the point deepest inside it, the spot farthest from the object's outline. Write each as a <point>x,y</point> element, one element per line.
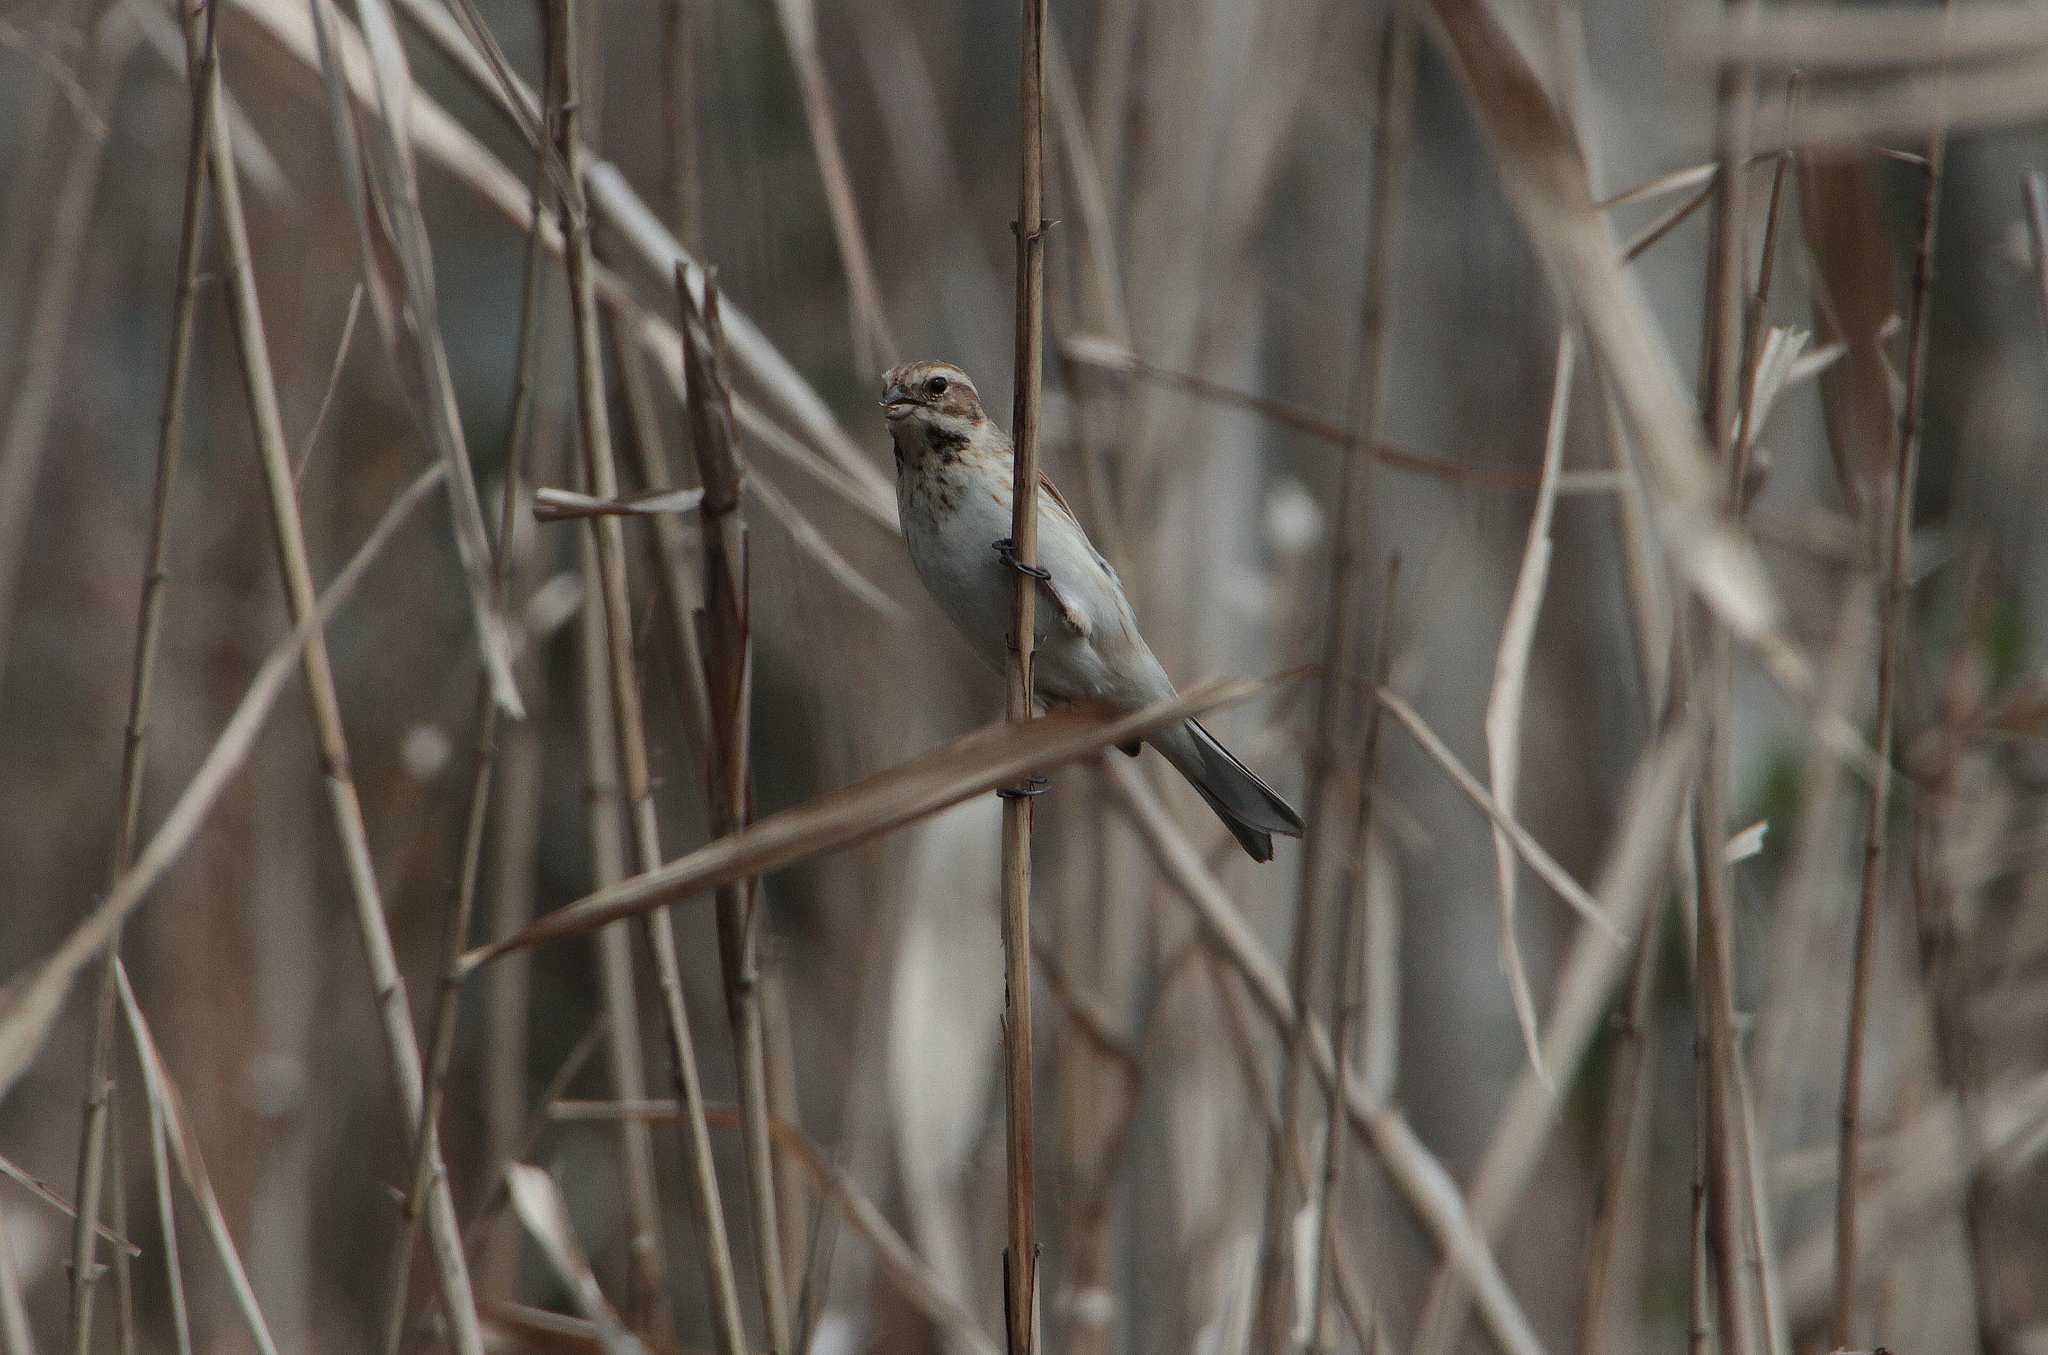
<point>1006,551</point>
<point>1032,787</point>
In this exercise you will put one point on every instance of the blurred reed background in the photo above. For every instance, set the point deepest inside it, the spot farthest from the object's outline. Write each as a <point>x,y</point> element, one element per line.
<point>1704,741</point>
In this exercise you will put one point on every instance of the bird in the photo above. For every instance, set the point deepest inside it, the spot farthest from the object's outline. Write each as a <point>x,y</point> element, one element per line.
<point>955,473</point>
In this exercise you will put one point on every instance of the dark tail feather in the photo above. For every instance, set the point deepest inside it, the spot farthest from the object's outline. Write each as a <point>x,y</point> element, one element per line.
<point>1252,810</point>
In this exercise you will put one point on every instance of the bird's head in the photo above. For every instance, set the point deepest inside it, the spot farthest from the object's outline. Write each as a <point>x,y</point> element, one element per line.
<point>930,405</point>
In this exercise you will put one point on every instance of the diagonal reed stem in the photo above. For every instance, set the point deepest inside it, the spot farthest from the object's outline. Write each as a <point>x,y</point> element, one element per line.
<point>387,986</point>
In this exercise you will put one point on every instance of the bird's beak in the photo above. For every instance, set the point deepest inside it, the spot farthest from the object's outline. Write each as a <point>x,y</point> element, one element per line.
<point>896,401</point>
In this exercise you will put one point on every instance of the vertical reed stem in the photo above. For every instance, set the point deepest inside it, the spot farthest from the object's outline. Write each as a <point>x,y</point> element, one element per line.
<point>1020,1269</point>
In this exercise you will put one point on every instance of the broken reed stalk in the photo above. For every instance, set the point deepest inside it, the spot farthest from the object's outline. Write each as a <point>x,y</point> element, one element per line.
<point>1330,798</point>
<point>1020,1259</point>
<point>387,985</point>
<point>1894,604</point>
<point>727,652</point>
<point>564,49</point>
<point>92,1151</point>
<point>462,907</point>
<point>1347,979</point>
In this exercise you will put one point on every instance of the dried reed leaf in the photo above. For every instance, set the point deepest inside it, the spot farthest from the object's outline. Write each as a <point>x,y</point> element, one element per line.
<point>165,1101</point>
<point>1510,681</point>
<point>546,1219</point>
<point>1545,176</point>
<point>974,764</point>
<point>29,1004</point>
<point>382,184</point>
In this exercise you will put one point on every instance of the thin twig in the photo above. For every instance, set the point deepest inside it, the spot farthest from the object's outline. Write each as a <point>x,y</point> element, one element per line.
<point>387,986</point>
<point>1894,604</point>
<point>1020,1262</point>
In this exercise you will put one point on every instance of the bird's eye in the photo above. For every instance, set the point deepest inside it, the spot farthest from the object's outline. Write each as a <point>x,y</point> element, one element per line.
<point>936,386</point>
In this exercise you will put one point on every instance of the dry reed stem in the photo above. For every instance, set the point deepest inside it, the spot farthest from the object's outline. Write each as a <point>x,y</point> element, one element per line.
<point>1020,1258</point>
<point>1504,703</point>
<point>443,141</point>
<point>1545,179</point>
<point>168,1105</point>
<point>92,1145</point>
<point>1332,803</point>
<point>1416,1173</point>
<point>105,1231</point>
<point>167,1228</point>
<point>387,985</point>
<point>546,1217</point>
<point>974,764</point>
<point>1347,980</point>
<point>311,438</point>
<point>594,425</point>
<point>872,339</point>
<point>508,900</point>
<point>728,676</point>
<point>625,1060</point>
<point>1893,604</point>
<point>381,183</point>
<point>1708,686</point>
<point>441,1038</point>
<point>1630,886</point>
<point>676,586</point>
<point>1542,862</point>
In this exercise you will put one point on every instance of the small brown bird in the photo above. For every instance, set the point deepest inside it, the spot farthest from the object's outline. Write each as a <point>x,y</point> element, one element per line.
<point>954,476</point>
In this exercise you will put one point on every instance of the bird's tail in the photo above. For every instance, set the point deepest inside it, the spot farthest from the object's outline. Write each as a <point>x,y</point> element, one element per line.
<point>1252,810</point>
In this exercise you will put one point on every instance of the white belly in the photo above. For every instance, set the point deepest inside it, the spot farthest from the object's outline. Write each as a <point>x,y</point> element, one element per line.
<point>951,523</point>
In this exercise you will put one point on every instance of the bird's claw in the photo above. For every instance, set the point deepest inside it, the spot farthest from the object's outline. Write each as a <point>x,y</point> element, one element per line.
<point>1006,551</point>
<point>1032,787</point>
